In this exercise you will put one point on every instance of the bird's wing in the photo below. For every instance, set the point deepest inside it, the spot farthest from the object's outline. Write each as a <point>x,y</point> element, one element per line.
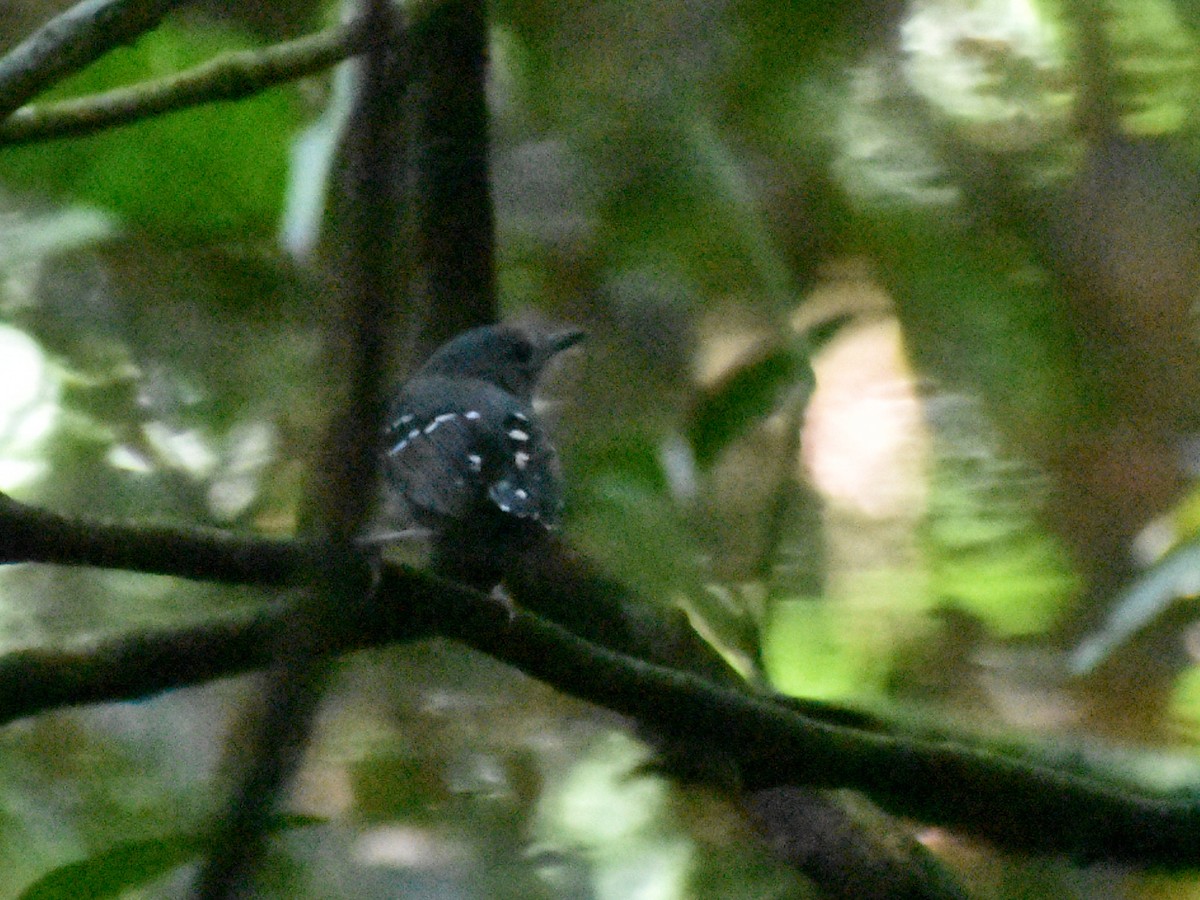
<point>462,450</point>
<point>527,482</point>
<point>436,463</point>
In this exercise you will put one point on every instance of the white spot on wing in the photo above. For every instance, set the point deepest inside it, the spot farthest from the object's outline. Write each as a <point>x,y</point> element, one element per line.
<point>438,420</point>
<point>472,414</point>
<point>476,461</point>
<point>500,492</point>
<point>518,435</point>
<point>521,458</point>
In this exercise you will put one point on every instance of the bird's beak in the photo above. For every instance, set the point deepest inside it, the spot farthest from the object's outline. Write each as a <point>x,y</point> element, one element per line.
<point>565,339</point>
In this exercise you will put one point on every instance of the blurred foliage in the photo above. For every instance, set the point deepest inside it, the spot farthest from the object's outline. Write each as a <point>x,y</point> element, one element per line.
<point>131,864</point>
<point>748,395</point>
<point>209,174</point>
<point>997,296</point>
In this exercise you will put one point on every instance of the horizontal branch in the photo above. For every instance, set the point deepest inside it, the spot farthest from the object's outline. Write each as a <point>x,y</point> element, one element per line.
<point>1015,802</point>
<point>232,76</point>
<point>1012,802</point>
<point>29,534</point>
<point>142,664</point>
<point>72,40</point>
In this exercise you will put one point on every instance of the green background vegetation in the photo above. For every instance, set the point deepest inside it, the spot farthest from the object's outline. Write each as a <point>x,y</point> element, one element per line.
<point>981,235</point>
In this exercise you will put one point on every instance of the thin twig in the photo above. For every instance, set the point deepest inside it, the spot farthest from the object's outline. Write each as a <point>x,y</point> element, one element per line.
<point>70,41</point>
<point>232,76</point>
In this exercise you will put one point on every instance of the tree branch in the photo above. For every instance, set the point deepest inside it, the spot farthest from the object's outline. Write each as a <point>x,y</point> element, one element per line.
<point>70,41</point>
<point>232,76</point>
<point>139,665</point>
<point>344,475</point>
<point>1013,802</point>
<point>454,220</point>
<point>32,535</point>
<point>1016,803</point>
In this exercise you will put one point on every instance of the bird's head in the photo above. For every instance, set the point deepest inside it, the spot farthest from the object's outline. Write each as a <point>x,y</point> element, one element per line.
<point>507,356</point>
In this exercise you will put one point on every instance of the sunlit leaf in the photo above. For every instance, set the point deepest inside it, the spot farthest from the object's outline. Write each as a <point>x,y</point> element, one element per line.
<point>818,650</point>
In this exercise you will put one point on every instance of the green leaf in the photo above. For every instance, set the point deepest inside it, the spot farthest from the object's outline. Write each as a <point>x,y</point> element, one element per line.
<point>821,651</point>
<point>747,396</point>
<point>133,864</point>
<point>216,170</point>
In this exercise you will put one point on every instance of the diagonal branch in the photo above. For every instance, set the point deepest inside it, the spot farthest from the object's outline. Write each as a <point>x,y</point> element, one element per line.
<point>232,76</point>
<point>70,41</point>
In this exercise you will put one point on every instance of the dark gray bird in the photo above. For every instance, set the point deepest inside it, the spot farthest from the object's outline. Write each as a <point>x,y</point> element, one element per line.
<point>465,456</point>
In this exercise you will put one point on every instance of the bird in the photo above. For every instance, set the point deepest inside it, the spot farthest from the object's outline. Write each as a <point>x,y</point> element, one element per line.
<point>465,457</point>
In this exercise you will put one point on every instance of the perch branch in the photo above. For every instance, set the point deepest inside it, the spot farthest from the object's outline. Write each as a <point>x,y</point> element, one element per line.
<point>32,535</point>
<point>1014,802</point>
